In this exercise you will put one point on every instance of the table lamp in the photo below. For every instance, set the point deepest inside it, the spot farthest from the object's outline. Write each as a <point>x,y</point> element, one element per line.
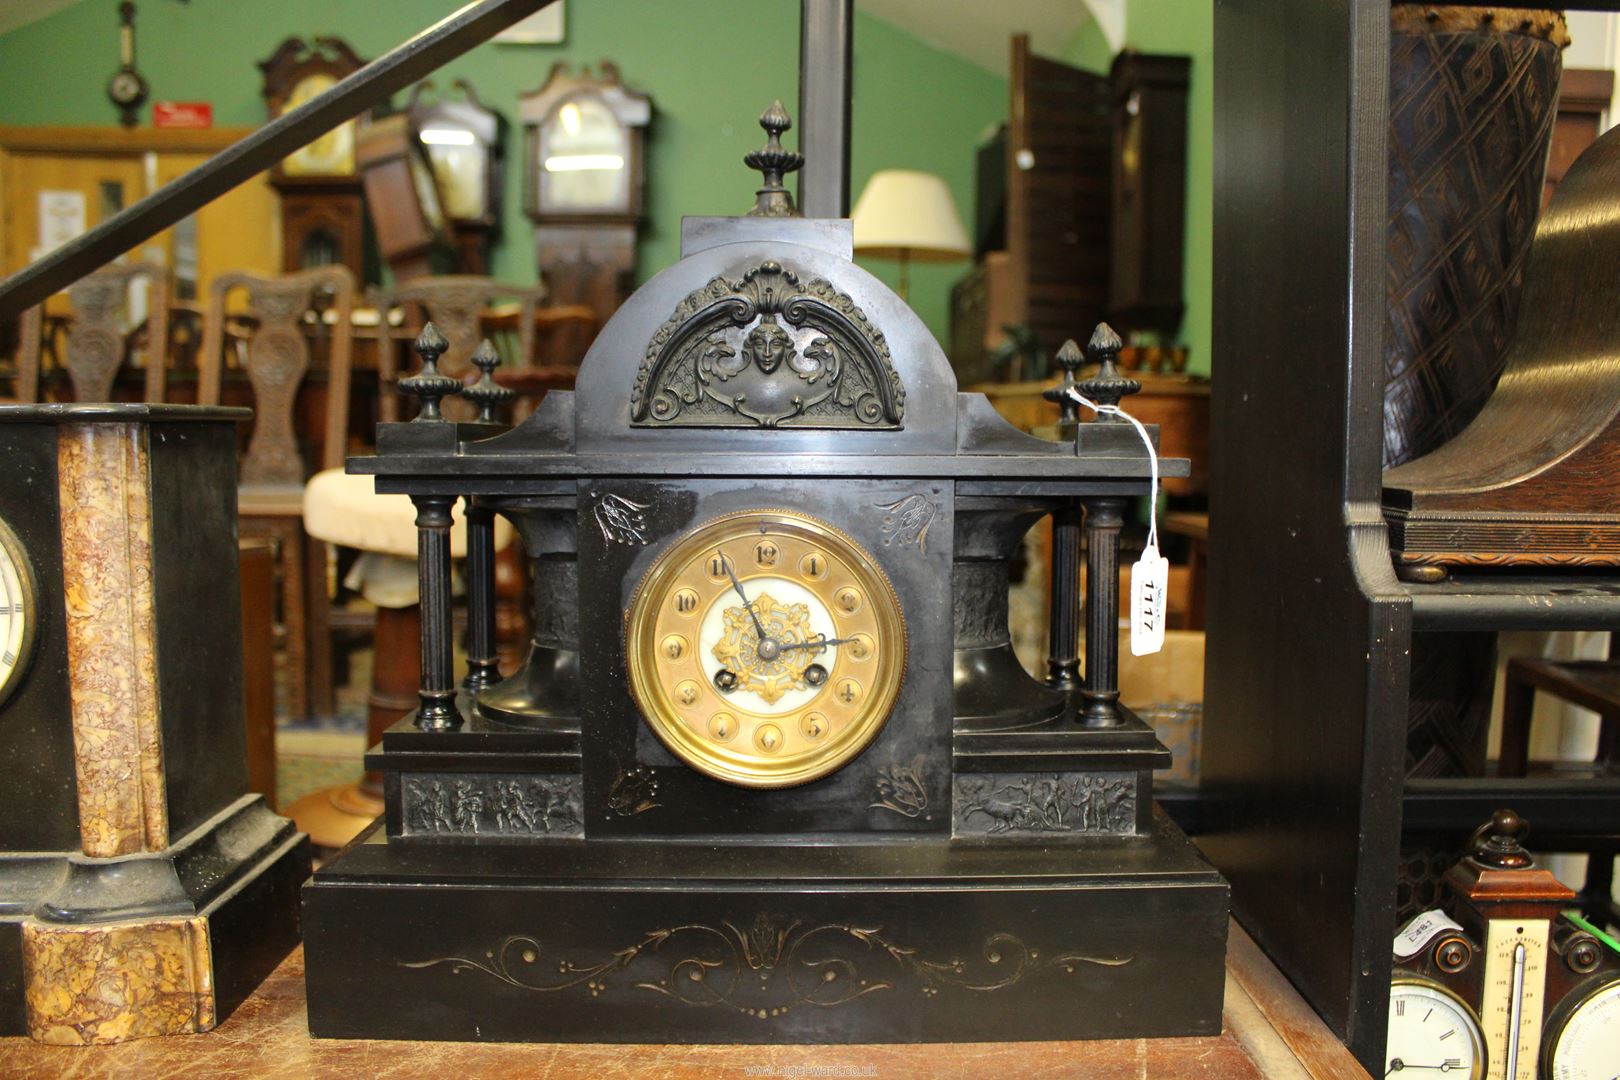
<point>904,214</point>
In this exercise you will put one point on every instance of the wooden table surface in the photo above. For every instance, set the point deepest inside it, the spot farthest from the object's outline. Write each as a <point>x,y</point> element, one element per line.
<point>1270,1033</point>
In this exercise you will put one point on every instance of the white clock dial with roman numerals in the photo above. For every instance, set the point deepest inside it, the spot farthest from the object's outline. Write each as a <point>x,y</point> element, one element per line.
<point>1432,1034</point>
<point>17,610</point>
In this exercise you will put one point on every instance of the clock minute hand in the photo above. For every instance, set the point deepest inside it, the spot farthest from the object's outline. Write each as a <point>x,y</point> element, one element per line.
<point>747,603</point>
<point>820,642</point>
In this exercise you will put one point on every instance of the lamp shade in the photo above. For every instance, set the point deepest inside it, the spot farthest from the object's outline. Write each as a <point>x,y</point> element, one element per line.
<point>904,213</point>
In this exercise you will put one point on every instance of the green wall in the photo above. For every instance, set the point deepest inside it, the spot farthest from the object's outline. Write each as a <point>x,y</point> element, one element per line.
<point>1184,27</point>
<point>711,67</point>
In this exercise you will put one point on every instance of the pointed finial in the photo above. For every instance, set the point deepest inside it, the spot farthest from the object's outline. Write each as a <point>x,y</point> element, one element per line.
<point>429,385</point>
<point>1108,386</point>
<point>774,200</point>
<point>431,341</point>
<point>1104,341</point>
<point>486,393</point>
<point>1069,358</point>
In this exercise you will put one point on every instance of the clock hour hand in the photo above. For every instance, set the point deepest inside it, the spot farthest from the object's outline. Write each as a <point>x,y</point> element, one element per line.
<point>747,603</point>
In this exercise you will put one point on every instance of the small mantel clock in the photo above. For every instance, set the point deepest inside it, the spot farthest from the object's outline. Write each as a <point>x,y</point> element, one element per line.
<point>770,770</point>
<point>584,172</point>
<point>322,204</point>
<point>1510,982</point>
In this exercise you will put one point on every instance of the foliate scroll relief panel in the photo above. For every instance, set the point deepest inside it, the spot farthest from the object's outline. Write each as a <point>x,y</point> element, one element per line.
<point>771,966</point>
<point>764,351</point>
<point>468,804</point>
<point>1044,804</point>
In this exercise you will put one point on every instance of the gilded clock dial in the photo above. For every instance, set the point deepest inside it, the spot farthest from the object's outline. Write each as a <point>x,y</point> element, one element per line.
<point>765,648</point>
<point>331,154</point>
<point>17,611</point>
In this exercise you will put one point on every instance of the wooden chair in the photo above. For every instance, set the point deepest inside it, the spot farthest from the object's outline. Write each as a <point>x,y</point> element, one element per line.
<point>23,371</point>
<point>456,304</point>
<point>527,334</point>
<point>281,316</point>
<point>97,343</point>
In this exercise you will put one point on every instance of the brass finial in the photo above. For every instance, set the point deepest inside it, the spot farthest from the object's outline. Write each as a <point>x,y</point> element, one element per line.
<point>774,200</point>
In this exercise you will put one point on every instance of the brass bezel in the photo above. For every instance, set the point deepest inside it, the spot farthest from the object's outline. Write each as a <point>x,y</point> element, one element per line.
<point>733,763</point>
<point>18,554</point>
<point>1476,1035</point>
<point>1559,1017</point>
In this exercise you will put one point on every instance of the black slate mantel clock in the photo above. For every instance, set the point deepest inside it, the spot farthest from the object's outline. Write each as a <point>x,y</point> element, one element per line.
<point>771,771</point>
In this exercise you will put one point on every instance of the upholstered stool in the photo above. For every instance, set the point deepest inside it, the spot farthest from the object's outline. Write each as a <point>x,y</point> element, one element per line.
<point>346,510</point>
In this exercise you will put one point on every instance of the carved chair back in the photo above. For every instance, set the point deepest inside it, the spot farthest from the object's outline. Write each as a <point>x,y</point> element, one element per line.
<point>282,315</point>
<point>456,305</point>
<point>24,373</point>
<point>98,341</point>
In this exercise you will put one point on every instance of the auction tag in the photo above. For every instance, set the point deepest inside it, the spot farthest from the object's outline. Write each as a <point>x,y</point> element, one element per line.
<point>1417,934</point>
<point>1149,578</point>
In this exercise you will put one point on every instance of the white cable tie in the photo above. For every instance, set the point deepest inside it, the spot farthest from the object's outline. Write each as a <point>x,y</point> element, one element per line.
<point>1153,458</point>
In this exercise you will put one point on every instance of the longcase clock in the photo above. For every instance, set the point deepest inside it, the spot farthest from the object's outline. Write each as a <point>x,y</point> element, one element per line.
<point>322,202</point>
<point>402,198</point>
<point>585,170</point>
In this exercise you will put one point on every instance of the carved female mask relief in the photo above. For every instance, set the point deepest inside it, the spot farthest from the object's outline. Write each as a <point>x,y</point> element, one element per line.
<point>767,345</point>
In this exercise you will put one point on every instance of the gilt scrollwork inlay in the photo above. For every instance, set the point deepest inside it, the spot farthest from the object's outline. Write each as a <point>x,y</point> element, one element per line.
<point>770,966</point>
<point>902,789</point>
<point>768,350</point>
<point>906,521</point>
<point>621,520</point>
<point>634,791</point>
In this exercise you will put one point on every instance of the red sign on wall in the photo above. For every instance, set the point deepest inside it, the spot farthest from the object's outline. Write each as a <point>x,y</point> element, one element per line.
<point>182,114</point>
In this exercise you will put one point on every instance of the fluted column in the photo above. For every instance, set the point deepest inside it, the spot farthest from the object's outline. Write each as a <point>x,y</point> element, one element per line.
<point>437,708</point>
<point>1063,607</point>
<point>1100,697</point>
<point>483,665</point>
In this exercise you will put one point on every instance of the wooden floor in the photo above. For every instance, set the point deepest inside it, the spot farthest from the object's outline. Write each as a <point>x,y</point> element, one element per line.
<point>1270,1033</point>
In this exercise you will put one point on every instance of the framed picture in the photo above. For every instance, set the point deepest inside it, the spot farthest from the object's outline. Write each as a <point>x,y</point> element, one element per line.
<point>542,28</point>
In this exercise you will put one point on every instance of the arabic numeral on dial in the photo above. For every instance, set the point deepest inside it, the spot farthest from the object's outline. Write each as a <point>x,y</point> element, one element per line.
<point>717,565</point>
<point>686,601</point>
<point>766,553</point>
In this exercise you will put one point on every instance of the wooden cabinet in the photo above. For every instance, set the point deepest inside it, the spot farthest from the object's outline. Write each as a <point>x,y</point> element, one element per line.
<point>109,168</point>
